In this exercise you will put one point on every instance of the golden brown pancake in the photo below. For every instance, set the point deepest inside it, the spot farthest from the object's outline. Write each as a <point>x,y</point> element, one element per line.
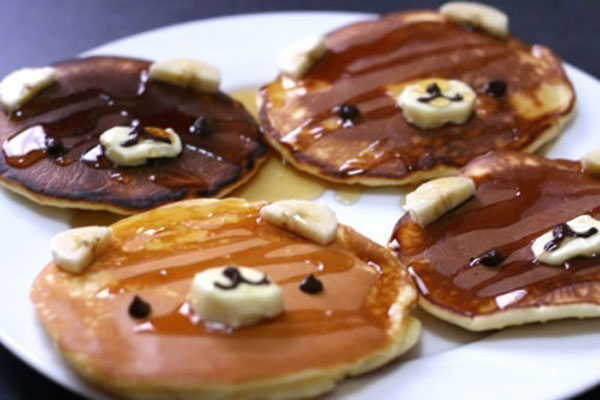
<point>518,198</point>
<point>95,94</point>
<point>358,322</point>
<point>368,64</point>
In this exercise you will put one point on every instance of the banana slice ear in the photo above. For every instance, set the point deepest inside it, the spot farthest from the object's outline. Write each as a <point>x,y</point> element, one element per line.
<point>591,161</point>
<point>187,72</point>
<point>482,16</point>
<point>295,59</point>
<point>21,85</point>
<point>314,221</point>
<point>433,199</point>
<point>74,250</point>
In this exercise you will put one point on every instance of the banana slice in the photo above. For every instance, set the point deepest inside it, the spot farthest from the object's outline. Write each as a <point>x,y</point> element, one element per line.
<point>21,85</point>
<point>579,237</point>
<point>314,221</point>
<point>433,199</point>
<point>129,147</point>
<point>484,17</point>
<point>431,103</point>
<point>295,59</point>
<point>235,296</point>
<point>591,162</point>
<point>74,250</point>
<point>187,72</point>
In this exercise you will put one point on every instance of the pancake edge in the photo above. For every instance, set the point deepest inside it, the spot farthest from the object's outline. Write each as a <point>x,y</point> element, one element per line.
<point>60,202</point>
<point>305,384</point>
<point>511,317</point>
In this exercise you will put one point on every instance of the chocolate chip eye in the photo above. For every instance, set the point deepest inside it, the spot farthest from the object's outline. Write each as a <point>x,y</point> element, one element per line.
<point>490,258</point>
<point>348,112</point>
<point>138,308</point>
<point>54,147</point>
<point>311,285</point>
<point>200,127</point>
<point>495,88</point>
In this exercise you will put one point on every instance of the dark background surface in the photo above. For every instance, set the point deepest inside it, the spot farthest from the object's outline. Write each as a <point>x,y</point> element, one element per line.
<point>37,32</point>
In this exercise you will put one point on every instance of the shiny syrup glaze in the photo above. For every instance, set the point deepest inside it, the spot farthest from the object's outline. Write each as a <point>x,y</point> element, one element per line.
<point>156,258</point>
<point>367,65</point>
<point>251,243</point>
<point>522,197</point>
<point>95,94</point>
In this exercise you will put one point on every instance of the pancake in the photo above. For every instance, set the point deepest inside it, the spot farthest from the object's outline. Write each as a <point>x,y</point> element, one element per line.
<point>368,64</point>
<point>518,198</point>
<point>95,94</point>
<point>357,323</point>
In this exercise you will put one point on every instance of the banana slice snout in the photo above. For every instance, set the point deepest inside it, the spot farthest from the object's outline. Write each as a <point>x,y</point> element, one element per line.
<point>127,147</point>
<point>296,58</point>
<point>314,221</point>
<point>20,86</point>
<point>579,237</point>
<point>235,296</point>
<point>75,249</point>
<point>431,103</point>
<point>187,72</point>
<point>482,16</point>
<point>433,199</point>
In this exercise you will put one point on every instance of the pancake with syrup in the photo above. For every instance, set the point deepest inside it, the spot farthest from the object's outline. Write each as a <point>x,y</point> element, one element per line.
<point>341,120</point>
<point>52,155</point>
<point>359,321</point>
<point>475,266</point>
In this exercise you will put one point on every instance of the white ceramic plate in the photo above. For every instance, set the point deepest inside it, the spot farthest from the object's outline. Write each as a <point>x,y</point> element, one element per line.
<point>538,361</point>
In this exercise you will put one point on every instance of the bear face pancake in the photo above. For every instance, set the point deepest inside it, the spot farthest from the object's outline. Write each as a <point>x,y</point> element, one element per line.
<point>523,98</point>
<point>51,148</point>
<point>156,343</point>
<point>476,265</point>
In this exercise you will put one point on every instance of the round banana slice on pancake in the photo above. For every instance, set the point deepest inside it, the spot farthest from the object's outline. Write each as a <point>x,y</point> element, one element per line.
<point>413,96</point>
<point>225,299</point>
<point>522,247</point>
<point>123,135</point>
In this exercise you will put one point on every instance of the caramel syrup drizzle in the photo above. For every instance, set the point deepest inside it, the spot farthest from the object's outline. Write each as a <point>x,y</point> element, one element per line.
<point>252,243</point>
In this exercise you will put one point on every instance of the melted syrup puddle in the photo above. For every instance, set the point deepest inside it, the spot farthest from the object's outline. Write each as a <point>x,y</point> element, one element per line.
<point>277,181</point>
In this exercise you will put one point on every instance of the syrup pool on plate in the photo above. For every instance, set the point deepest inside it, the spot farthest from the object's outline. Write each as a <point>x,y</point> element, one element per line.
<point>277,181</point>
